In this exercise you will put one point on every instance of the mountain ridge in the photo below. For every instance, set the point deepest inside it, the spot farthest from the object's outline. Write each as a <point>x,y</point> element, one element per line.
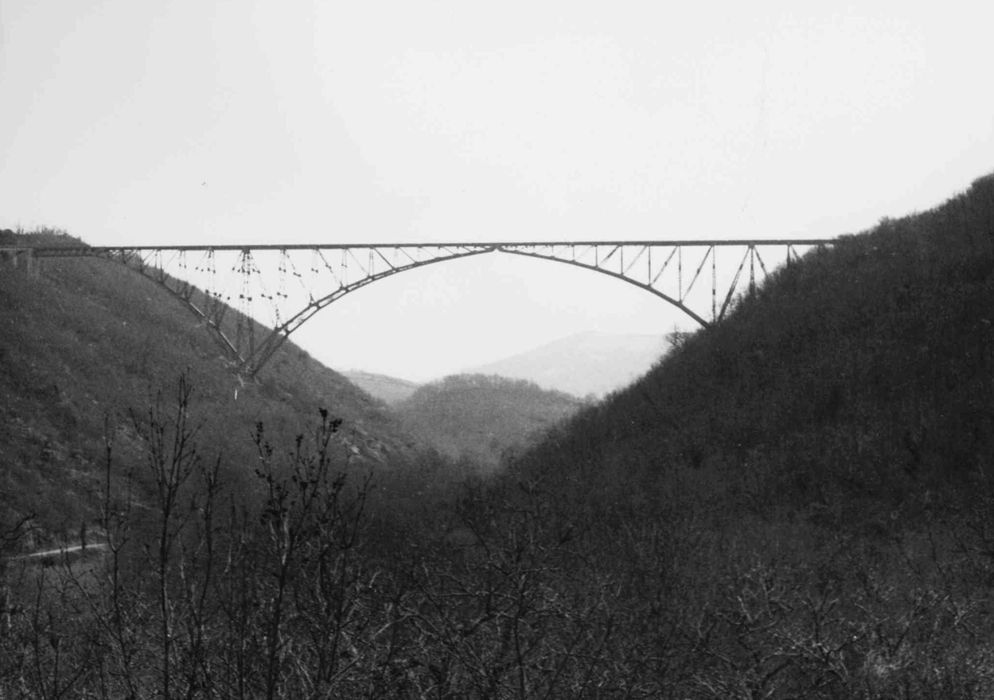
<point>386,388</point>
<point>587,363</point>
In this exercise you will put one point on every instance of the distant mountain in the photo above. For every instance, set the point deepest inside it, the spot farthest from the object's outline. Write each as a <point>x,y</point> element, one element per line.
<point>380,386</point>
<point>583,364</point>
<point>479,417</point>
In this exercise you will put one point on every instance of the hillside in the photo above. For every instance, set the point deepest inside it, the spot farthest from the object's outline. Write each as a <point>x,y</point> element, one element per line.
<point>873,357</point>
<point>801,499</point>
<point>584,364</point>
<point>479,418</point>
<point>87,344</point>
<point>390,390</point>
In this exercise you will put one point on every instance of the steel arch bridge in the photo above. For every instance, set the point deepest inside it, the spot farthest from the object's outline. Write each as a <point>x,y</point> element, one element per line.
<point>294,282</point>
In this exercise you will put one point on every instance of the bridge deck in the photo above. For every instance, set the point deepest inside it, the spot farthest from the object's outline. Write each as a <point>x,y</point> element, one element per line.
<point>90,250</point>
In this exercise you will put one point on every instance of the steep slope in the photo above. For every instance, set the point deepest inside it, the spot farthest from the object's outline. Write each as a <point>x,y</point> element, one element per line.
<point>867,367</point>
<point>582,364</point>
<point>87,344</point>
<point>479,417</point>
<point>799,502</point>
<point>390,390</point>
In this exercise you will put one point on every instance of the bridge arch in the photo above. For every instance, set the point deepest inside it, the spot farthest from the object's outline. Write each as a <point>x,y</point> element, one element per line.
<point>685,274</point>
<point>678,303</point>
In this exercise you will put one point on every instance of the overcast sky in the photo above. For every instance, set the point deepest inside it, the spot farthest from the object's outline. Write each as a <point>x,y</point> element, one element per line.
<point>126,121</point>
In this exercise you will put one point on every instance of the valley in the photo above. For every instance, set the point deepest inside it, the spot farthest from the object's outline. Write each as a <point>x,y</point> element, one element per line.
<point>793,502</point>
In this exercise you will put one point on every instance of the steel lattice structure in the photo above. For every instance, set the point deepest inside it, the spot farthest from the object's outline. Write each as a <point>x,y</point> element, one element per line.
<point>699,277</point>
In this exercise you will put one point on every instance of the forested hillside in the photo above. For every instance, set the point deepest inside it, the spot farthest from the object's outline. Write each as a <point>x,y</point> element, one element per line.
<point>802,497</point>
<point>479,418</point>
<point>85,347</point>
<point>863,372</point>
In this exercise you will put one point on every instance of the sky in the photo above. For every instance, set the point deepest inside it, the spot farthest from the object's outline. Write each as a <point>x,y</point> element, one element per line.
<point>157,122</point>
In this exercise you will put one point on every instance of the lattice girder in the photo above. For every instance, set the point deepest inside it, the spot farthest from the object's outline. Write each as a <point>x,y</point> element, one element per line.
<point>275,289</point>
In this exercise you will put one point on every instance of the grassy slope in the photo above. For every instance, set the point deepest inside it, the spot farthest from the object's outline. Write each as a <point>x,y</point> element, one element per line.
<point>87,341</point>
<point>479,417</point>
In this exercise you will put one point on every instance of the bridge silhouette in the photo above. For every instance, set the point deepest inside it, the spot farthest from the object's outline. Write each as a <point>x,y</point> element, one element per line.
<point>294,282</point>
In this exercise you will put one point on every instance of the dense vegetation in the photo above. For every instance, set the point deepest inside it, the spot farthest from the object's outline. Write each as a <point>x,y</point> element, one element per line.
<point>800,497</point>
<point>87,342</point>
<point>795,503</point>
<point>478,418</point>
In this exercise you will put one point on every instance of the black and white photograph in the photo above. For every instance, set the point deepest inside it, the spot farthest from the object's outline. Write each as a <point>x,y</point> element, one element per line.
<point>456,349</point>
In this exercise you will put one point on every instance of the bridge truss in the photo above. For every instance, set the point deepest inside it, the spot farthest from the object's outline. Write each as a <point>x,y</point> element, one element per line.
<point>252,297</point>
